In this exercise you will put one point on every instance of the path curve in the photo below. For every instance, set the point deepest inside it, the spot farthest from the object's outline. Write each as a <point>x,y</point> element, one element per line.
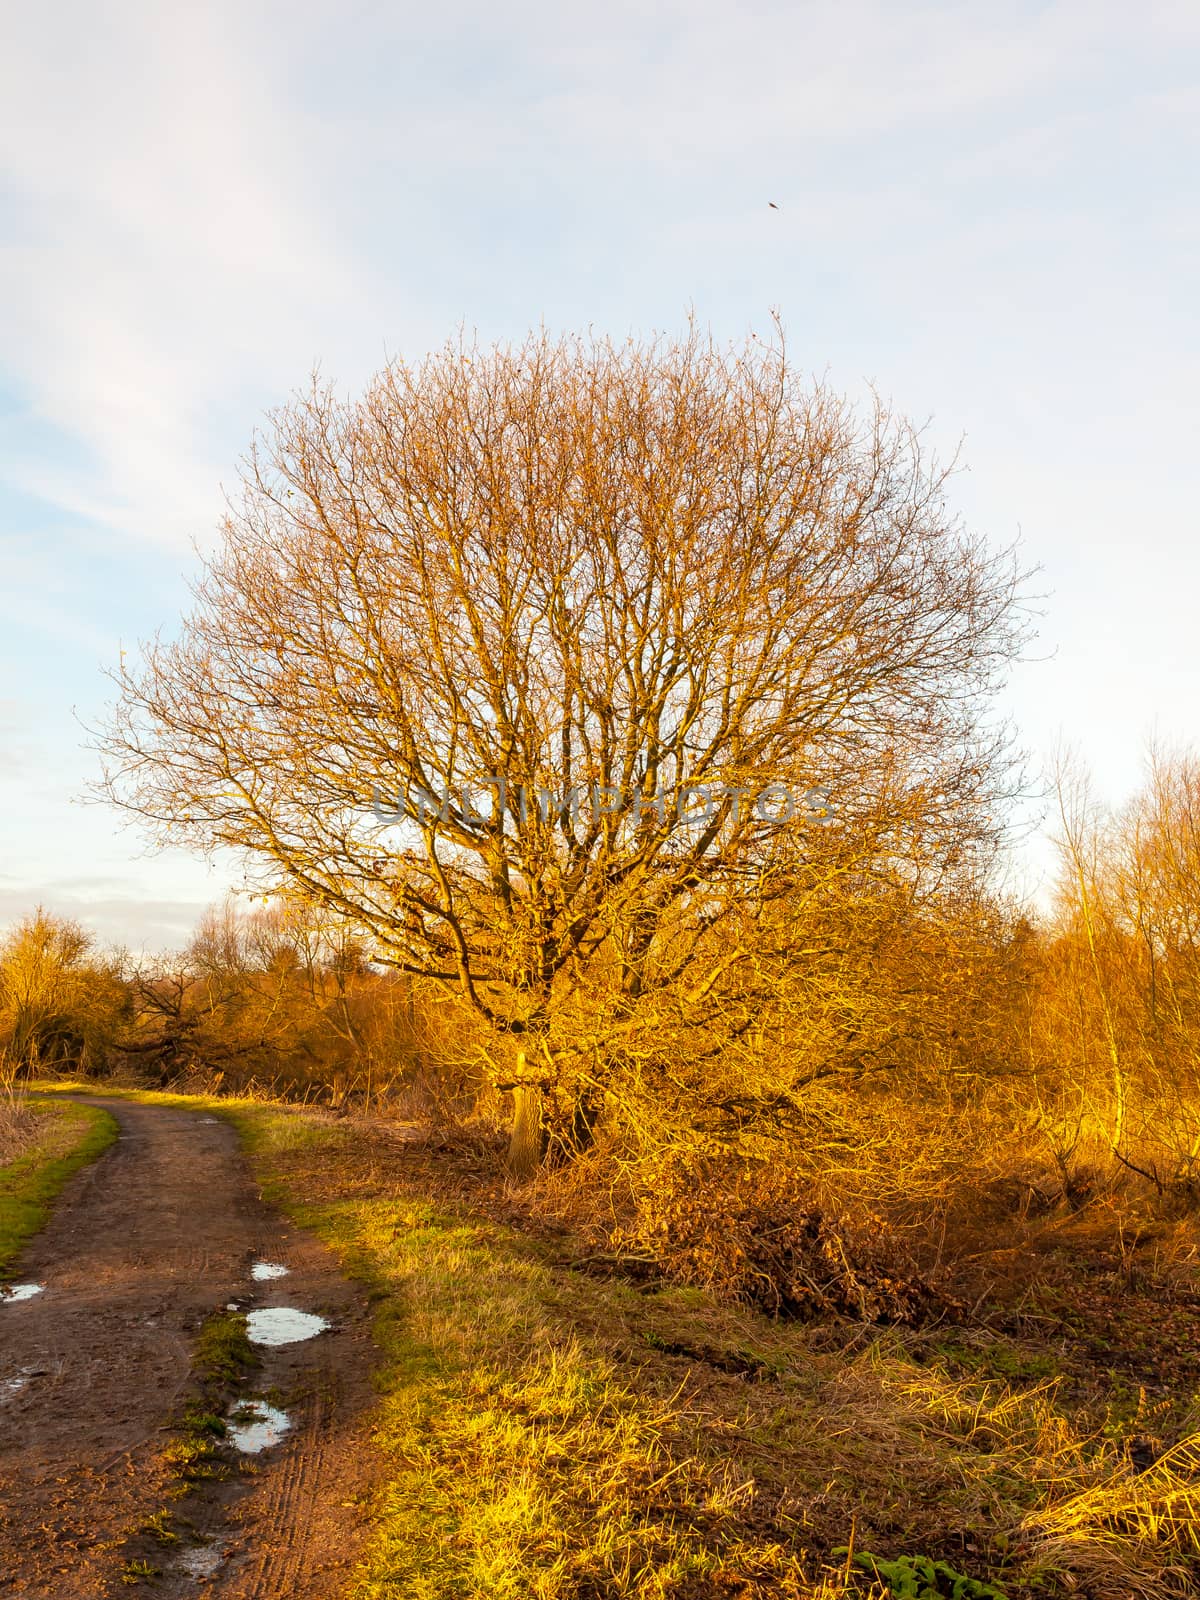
<point>144,1244</point>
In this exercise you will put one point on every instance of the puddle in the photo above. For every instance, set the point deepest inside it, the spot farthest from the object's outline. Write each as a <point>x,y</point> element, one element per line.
<point>262,1270</point>
<point>211,1122</point>
<point>283,1325</point>
<point>202,1561</point>
<point>19,1291</point>
<point>257,1426</point>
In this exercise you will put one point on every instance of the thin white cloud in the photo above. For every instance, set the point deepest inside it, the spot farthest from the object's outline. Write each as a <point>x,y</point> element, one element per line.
<point>160,209</point>
<point>136,922</point>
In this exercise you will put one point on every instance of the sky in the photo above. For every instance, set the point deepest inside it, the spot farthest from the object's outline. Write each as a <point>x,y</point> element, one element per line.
<point>987,212</point>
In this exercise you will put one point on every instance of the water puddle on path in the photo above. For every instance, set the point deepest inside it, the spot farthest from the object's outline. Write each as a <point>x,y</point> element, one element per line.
<point>11,1387</point>
<point>283,1325</point>
<point>257,1426</point>
<point>19,1291</point>
<point>265,1270</point>
<point>202,1561</point>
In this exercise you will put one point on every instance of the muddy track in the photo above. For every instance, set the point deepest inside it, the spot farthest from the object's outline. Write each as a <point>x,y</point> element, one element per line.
<point>154,1237</point>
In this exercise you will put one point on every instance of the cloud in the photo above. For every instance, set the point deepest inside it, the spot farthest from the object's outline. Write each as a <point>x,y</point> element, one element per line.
<point>206,199</point>
<point>158,210</point>
<point>136,922</point>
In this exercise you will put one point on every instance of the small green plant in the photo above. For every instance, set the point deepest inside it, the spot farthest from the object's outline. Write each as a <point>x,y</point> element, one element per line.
<point>158,1527</point>
<point>193,1457</point>
<point>140,1572</point>
<point>922,1578</point>
<point>201,1423</point>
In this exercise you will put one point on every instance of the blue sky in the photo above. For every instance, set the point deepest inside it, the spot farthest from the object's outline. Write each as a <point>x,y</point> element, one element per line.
<point>989,212</point>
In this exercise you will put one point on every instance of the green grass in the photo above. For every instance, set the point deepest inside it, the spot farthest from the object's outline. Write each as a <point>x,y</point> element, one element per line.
<point>159,1528</point>
<point>140,1572</point>
<point>223,1360</point>
<point>224,1357</point>
<point>73,1135</point>
<point>998,1359</point>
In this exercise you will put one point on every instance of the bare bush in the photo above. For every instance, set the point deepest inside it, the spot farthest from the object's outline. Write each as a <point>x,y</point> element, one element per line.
<point>60,1003</point>
<point>758,1235</point>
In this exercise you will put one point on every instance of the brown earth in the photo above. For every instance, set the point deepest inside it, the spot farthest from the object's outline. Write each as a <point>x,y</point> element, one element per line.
<point>95,1371</point>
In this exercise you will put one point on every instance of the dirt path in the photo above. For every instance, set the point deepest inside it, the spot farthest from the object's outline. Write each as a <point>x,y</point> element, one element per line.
<point>146,1243</point>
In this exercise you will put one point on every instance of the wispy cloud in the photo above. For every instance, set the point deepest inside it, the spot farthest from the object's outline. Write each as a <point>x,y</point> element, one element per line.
<point>136,922</point>
<point>158,207</point>
<point>206,199</point>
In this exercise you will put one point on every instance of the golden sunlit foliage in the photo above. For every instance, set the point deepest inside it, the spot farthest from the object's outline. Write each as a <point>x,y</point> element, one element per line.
<point>60,1003</point>
<point>1117,1020</point>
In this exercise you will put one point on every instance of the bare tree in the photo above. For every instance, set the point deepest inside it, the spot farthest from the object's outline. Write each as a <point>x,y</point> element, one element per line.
<point>534,664</point>
<point>60,1002</point>
<point>1085,846</point>
<point>1130,918</point>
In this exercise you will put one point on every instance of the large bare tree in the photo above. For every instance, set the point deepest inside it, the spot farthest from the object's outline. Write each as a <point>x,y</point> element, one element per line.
<point>539,666</point>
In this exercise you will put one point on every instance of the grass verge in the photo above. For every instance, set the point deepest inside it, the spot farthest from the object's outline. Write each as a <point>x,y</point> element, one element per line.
<point>69,1136</point>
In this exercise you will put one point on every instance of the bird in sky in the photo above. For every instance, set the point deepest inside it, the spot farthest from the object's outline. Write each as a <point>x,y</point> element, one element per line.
<point>772,205</point>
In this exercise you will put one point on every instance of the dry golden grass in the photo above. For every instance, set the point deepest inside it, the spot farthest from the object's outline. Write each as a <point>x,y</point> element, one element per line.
<point>1129,1533</point>
<point>18,1121</point>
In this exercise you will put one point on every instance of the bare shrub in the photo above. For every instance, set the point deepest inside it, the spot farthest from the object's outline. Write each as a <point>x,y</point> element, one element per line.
<point>61,1003</point>
<point>756,1234</point>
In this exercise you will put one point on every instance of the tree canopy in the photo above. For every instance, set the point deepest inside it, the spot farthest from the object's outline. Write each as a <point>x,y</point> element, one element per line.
<point>570,673</point>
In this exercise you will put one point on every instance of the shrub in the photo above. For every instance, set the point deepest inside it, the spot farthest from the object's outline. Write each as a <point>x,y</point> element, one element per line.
<point>754,1232</point>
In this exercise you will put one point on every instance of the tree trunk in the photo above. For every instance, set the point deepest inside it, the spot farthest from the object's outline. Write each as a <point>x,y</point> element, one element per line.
<point>525,1145</point>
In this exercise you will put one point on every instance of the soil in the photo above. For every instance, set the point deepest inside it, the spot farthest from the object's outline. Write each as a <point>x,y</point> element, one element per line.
<point>96,1369</point>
